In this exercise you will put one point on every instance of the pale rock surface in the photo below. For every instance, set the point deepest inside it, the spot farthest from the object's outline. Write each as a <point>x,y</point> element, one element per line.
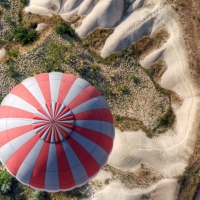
<point>164,190</point>
<point>41,27</point>
<point>2,53</point>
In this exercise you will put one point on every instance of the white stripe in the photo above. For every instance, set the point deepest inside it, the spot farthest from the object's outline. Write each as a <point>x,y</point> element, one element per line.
<point>11,147</point>
<point>55,76</point>
<point>16,102</point>
<point>51,178</point>
<point>3,125</point>
<point>33,87</point>
<point>45,109</point>
<point>8,123</point>
<point>90,124</point>
<point>25,171</point>
<point>52,135</point>
<point>99,126</point>
<point>54,89</point>
<point>100,155</point>
<point>108,129</point>
<point>40,121</point>
<point>60,109</point>
<point>78,86</point>
<point>53,104</point>
<point>17,122</point>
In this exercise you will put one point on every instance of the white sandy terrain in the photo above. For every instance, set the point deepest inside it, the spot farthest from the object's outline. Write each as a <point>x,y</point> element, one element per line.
<point>41,27</point>
<point>166,189</point>
<point>168,153</point>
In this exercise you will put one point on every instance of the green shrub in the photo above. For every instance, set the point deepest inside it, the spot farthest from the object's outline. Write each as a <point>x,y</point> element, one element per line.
<point>23,2</point>
<point>13,53</point>
<point>5,181</point>
<point>64,29</point>
<point>135,79</point>
<point>11,71</point>
<point>123,89</point>
<point>167,120</point>
<point>10,21</point>
<point>25,35</point>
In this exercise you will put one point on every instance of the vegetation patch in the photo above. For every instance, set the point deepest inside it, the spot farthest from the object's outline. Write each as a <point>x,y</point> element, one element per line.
<point>166,121</point>
<point>5,181</point>
<point>96,39</point>
<point>24,35</point>
<point>54,56</point>
<point>157,70</point>
<point>64,28</point>
<point>147,44</point>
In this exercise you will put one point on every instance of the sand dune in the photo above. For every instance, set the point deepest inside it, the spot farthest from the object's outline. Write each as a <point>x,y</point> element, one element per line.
<point>164,190</point>
<point>168,153</point>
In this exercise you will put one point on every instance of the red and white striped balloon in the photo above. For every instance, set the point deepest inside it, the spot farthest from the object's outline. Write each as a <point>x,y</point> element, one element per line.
<point>56,131</point>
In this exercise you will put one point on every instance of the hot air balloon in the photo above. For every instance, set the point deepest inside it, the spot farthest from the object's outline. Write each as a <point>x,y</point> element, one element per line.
<point>56,131</point>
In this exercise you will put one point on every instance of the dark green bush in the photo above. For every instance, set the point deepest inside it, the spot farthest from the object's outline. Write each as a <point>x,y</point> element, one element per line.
<point>64,29</point>
<point>23,2</point>
<point>24,35</point>
<point>5,4</point>
<point>38,195</point>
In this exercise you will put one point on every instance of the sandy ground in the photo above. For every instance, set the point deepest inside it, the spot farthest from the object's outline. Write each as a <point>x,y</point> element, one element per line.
<point>2,54</point>
<point>168,153</point>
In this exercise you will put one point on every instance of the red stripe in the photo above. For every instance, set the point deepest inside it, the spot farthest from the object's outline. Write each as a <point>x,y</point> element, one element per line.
<point>10,134</point>
<point>44,84</point>
<point>102,114</point>
<point>106,115</point>
<point>65,175</point>
<point>11,112</point>
<point>104,141</point>
<point>69,126</point>
<point>87,94</point>
<point>22,92</point>
<point>48,138</point>
<point>36,117</point>
<point>39,125</point>
<point>38,175</point>
<point>88,115</point>
<point>90,164</point>
<point>15,161</point>
<point>66,83</point>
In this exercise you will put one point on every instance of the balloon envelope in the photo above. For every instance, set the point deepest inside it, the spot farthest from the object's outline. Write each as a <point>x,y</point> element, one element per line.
<point>56,131</point>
